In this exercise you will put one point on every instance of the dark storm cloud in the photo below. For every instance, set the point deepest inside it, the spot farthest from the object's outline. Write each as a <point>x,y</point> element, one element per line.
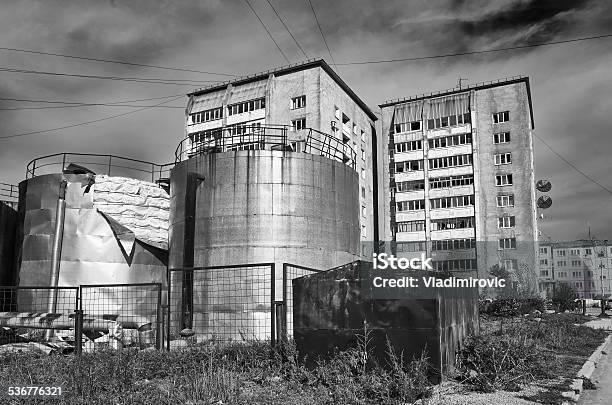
<point>539,19</point>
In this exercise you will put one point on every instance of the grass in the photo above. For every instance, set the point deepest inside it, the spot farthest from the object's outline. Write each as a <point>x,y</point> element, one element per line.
<point>512,352</point>
<point>251,373</point>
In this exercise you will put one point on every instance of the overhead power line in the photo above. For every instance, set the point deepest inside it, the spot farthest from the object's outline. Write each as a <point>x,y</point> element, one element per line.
<point>573,166</point>
<point>86,122</point>
<point>268,31</point>
<point>73,104</point>
<point>321,31</point>
<point>176,82</point>
<point>448,55</point>
<point>287,28</point>
<point>121,62</point>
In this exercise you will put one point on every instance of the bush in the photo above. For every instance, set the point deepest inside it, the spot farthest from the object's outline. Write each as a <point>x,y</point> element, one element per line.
<point>514,306</point>
<point>563,297</point>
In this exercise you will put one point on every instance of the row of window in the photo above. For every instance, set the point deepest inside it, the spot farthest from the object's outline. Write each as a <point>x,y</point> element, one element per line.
<point>408,146</point>
<point>572,252</point>
<point>502,159</point>
<point>449,121</point>
<point>452,140</point>
<point>507,243</point>
<point>452,223</point>
<point>408,126</point>
<point>453,244</point>
<point>435,183</point>
<point>411,246</point>
<point>246,106</point>
<point>208,115</point>
<point>454,265</point>
<point>437,203</point>
<point>450,161</point>
<point>410,226</point>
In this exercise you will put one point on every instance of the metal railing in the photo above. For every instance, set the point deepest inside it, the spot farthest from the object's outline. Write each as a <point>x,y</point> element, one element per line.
<point>233,303</point>
<point>100,164</point>
<point>269,137</point>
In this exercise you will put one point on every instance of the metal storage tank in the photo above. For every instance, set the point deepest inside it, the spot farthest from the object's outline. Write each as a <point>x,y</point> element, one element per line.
<point>115,232</point>
<point>8,230</point>
<point>231,207</point>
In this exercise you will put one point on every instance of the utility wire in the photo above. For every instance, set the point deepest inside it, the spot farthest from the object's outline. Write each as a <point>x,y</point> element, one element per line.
<point>80,102</point>
<point>121,62</point>
<point>176,82</point>
<point>321,31</point>
<point>574,166</point>
<point>511,48</point>
<point>86,122</point>
<point>268,31</point>
<point>71,104</point>
<point>287,28</point>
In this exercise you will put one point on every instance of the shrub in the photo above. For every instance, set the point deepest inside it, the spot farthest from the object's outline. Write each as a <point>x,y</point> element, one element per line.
<point>563,297</point>
<point>514,306</point>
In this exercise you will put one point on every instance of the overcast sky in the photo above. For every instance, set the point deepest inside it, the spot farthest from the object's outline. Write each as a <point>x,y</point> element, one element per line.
<point>571,84</point>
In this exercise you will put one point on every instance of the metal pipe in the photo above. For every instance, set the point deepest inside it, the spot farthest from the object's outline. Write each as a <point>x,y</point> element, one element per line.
<point>57,250</point>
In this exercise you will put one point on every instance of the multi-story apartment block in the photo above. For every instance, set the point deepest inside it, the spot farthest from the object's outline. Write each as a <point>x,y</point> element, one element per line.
<point>459,183</point>
<point>582,264</point>
<point>290,101</point>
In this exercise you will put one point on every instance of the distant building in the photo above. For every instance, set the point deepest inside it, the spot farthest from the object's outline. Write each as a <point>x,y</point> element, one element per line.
<point>291,101</point>
<point>459,183</point>
<point>582,264</point>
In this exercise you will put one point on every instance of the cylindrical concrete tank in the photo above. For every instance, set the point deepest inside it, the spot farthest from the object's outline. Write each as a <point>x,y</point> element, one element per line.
<point>258,206</point>
<point>114,231</point>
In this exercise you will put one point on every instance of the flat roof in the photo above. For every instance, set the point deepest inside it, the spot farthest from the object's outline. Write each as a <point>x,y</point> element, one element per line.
<point>476,86</point>
<point>285,70</point>
<point>584,243</point>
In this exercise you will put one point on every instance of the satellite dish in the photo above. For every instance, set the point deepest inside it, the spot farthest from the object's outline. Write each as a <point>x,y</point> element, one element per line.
<point>543,186</point>
<point>544,202</point>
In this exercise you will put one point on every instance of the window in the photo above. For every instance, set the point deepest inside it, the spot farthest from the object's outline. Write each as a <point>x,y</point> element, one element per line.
<point>505,200</point>
<point>363,136</point>
<point>506,222</point>
<point>501,137</point>
<point>574,252</point>
<point>587,252</point>
<point>576,263</point>
<point>408,146</point>
<point>544,262</point>
<point>298,102</point>
<point>208,115</point>
<point>562,274</point>
<point>450,161</point>
<point>452,223</point>
<point>452,202</point>
<point>409,166</point>
<point>544,273</point>
<point>410,226</point>
<point>363,211</point>
<point>503,180</point>
<point>363,192</point>
<point>407,126</point>
<point>453,244</point>
<point>355,131</point>
<point>411,247</point>
<point>415,205</point>
<point>363,173</point>
<point>453,140</point>
<point>363,154</point>
<point>576,274</point>
<point>501,117</point>
<point>410,186</point>
<point>561,263</point>
<point>543,250</point>
<point>363,231</point>
<point>451,181</point>
<point>507,243</point>
<point>560,252</point>
<point>502,159</point>
<point>246,106</point>
<point>298,124</point>
<point>510,264</point>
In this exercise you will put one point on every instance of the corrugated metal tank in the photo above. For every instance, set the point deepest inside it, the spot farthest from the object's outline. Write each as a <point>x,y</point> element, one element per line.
<point>259,206</point>
<point>8,229</point>
<point>97,248</point>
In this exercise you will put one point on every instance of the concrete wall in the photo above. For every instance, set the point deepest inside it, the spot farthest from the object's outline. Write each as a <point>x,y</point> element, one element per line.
<point>512,98</point>
<point>8,234</point>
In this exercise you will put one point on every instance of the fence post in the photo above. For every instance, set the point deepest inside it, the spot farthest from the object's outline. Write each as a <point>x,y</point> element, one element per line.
<point>160,317</point>
<point>272,306</point>
<point>78,331</point>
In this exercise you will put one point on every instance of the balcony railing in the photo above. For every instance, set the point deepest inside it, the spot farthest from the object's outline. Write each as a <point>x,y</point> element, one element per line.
<point>254,137</point>
<point>110,165</point>
<point>9,193</point>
